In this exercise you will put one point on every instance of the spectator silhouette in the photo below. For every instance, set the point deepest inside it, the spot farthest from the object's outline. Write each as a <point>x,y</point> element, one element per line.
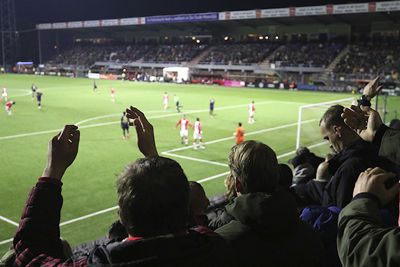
<point>261,223</point>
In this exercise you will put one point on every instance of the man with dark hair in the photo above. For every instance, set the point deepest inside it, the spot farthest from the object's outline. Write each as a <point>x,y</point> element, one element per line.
<point>153,195</point>
<point>354,155</point>
<point>261,223</point>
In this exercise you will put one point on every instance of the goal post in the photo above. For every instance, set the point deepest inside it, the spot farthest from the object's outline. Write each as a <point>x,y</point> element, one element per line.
<point>315,112</point>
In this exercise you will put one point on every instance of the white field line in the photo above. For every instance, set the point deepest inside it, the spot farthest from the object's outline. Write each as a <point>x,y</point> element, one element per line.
<point>195,159</point>
<point>111,115</point>
<point>212,177</point>
<point>6,241</point>
<point>12,95</point>
<point>199,181</point>
<point>8,220</point>
<point>89,215</point>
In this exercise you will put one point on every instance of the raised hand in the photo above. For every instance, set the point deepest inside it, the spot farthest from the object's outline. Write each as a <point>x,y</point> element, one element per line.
<point>374,181</point>
<point>372,88</point>
<point>62,151</point>
<point>365,121</point>
<point>144,131</point>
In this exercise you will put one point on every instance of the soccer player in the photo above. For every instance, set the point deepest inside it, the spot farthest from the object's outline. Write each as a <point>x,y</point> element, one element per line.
<point>212,107</point>
<point>197,135</point>
<point>94,86</point>
<point>33,88</point>
<point>239,133</point>
<point>112,94</point>
<point>165,99</point>
<point>8,106</point>
<point>184,129</point>
<point>39,98</point>
<point>251,112</point>
<point>125,125</point>
<point>176,100</point>
<point>4,94</point>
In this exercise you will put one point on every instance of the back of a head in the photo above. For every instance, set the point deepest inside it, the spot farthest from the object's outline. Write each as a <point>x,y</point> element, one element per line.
<point>153,195</point>
<point>285,175</point>
<point>198,201</point>
<point>255,166</point>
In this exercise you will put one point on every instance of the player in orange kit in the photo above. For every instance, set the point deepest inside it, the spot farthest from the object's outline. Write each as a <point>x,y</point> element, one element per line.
<point>239,133</point>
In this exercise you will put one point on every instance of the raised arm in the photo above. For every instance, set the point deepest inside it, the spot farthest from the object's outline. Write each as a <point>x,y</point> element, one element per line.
<point>37,240</point>
<point>144,131</point>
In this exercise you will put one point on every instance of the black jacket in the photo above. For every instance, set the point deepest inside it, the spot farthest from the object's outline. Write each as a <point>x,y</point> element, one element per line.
<point>346,167</point>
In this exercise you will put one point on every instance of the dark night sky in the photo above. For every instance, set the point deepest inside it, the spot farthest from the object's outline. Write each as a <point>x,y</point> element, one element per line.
<point>30,12</point>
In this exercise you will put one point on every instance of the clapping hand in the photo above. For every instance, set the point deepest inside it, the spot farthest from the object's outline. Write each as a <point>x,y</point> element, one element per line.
<point>144,131</point>
<point>374,181</point>
<point>62,151</point>
<point>364,120</point>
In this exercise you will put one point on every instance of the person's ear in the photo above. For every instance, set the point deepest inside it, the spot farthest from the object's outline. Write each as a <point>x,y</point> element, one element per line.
<point>238,187</point>
<point>338,130</point>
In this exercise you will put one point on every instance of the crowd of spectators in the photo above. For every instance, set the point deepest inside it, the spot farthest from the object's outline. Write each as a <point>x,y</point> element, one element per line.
<point>363,59</point>
<point>238,54</point>
<point>308,54</point>
<point>370,59</point>
<point>344,214</point>
<point>88,54</point>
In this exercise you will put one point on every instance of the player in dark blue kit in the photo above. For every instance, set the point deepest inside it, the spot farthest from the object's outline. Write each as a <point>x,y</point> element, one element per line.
<point>212,107</point>
<point>33,88</point>
<point>39,98</point>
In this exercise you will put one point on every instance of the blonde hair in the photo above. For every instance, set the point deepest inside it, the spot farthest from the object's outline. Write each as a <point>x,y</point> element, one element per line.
<point>255,166</point>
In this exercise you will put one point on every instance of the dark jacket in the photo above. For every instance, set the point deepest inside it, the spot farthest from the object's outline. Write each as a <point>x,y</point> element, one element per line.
<point>346,166</point>
<point>362,238</point>
<point>265,230</point>
<point>37,240</point>
<point>388,141</point>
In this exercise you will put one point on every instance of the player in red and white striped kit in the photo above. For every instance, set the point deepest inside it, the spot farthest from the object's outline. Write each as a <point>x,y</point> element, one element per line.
<point>197,135</point>
<point>8,107</point>
<point>4,94</point>
<point>184,129</point>
<point>251,112</point>
<point>165,100</point>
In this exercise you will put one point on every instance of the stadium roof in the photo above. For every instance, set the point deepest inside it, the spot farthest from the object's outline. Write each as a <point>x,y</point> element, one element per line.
<point>322,14</point>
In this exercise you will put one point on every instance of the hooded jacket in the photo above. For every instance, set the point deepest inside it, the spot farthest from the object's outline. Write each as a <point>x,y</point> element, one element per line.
<point>265,228</point>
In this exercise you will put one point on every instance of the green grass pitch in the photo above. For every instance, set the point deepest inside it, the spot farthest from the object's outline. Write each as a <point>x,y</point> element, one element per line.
<point>89,182</point>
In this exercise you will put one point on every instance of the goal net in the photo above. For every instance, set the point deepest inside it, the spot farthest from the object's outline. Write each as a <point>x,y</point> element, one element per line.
<point>308,133</point>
